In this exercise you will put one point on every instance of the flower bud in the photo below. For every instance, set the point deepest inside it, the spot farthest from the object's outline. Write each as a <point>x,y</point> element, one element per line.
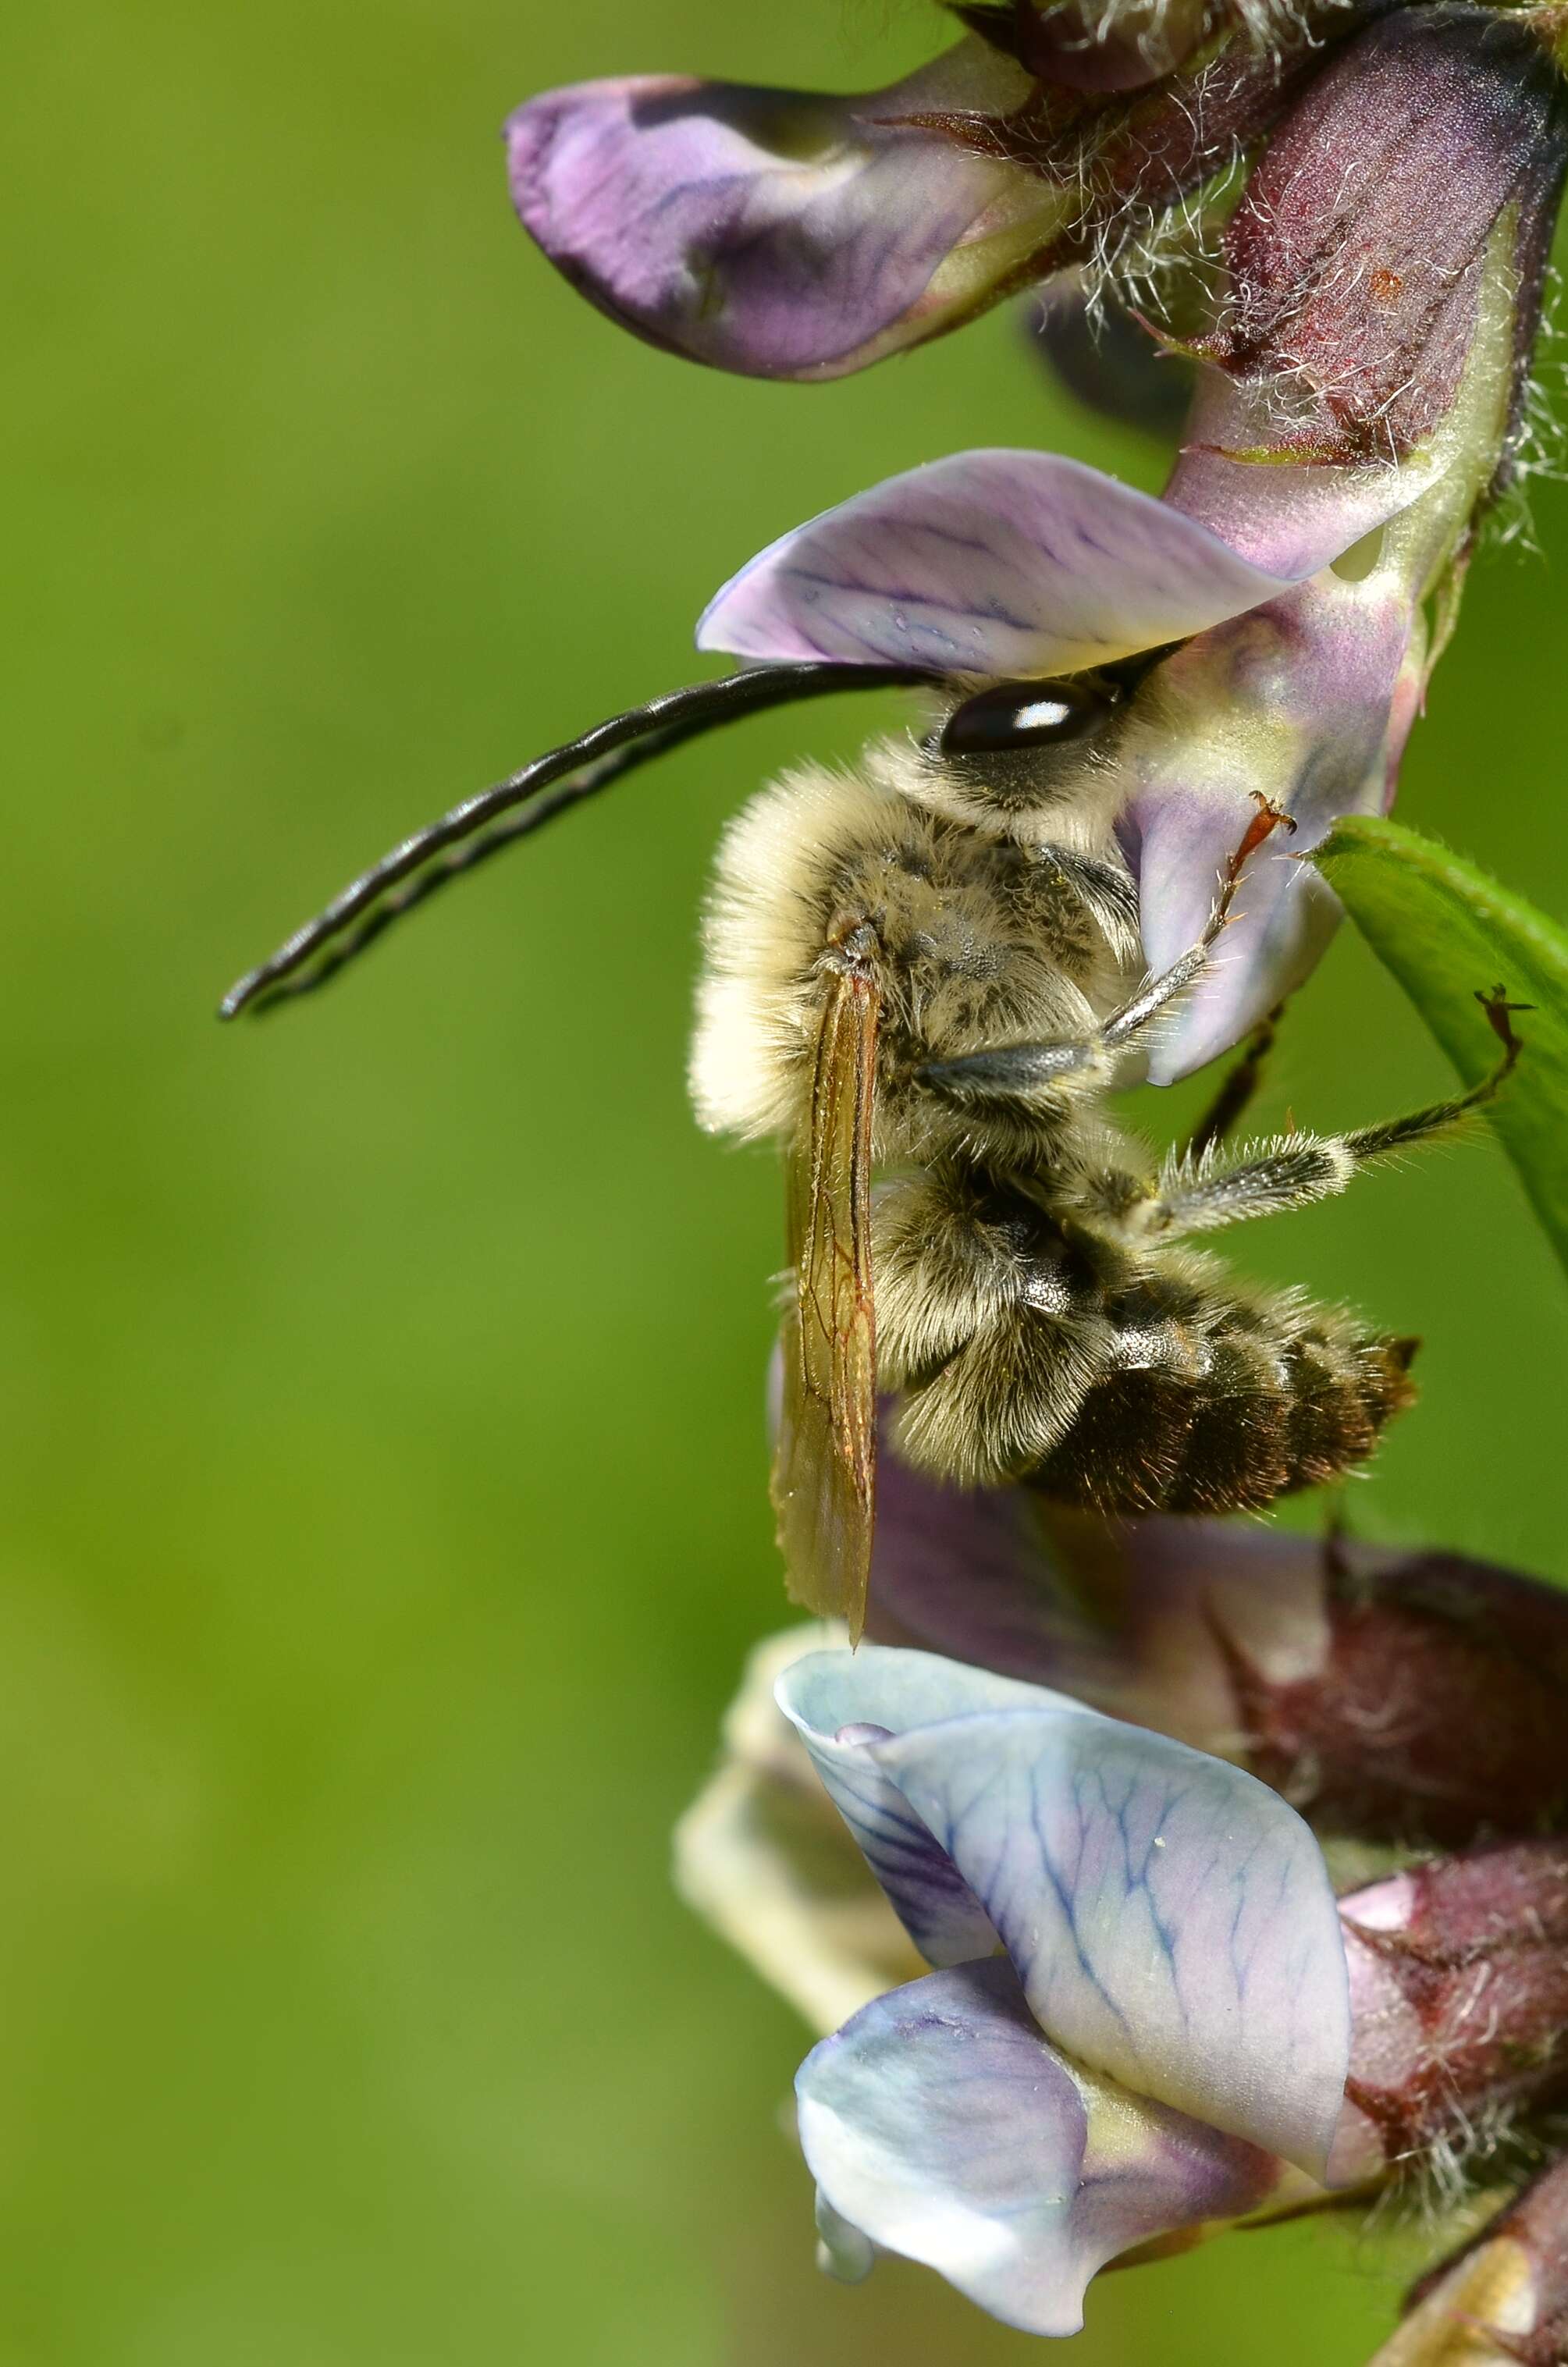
<point>1358,254</point>
<point>1435,1709</point>
<point>1458,1997</point>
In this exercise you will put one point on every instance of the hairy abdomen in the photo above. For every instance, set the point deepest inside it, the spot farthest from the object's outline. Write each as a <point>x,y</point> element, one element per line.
<point>1026,1347</point>
<point>1237,1437</point>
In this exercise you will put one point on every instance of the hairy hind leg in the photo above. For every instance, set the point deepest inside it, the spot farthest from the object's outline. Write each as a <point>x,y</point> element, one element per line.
<point>1198,1195</point>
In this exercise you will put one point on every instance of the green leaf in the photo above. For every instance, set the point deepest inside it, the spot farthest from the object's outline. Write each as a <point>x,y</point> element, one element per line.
<point>1446,930</point>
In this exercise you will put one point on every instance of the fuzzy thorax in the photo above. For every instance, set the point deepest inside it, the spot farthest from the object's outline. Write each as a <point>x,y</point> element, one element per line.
<point>998,919</point>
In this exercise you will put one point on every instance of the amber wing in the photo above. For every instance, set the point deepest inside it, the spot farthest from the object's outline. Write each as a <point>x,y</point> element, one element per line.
<point>824,1471</point>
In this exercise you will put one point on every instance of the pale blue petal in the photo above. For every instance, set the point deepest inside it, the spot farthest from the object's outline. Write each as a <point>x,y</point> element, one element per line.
<point>1171,1919</point>
<point>843,1704</point>
<point>941,2124</point>
<point>1307,701</point>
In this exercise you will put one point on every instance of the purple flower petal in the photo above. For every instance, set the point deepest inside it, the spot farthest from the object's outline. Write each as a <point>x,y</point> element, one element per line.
<point>775,232</point>
<point>1308,700</point>
<point>1142,1619</point>
<point>1000,563</point>
<point>942,2125</point>
<point>1170,1919</point>
<point>967,1573</point>
<point>1289,518</point>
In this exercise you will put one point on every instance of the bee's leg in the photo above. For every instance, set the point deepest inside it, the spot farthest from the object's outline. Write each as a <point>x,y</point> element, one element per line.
<point>1152,997</point>
<point>1195,1197</point>
<point>1019,1074</point>
<point>1240,1084</point>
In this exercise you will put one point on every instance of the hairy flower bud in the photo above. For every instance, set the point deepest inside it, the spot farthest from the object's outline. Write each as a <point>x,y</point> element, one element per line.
<point>1459,1996</point>
<point>1357,255</point>
<point>1384,275</point>
<point>1437,1707</point>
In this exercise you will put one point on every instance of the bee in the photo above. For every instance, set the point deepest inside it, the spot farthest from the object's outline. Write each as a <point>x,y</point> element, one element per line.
<point>927,967</point>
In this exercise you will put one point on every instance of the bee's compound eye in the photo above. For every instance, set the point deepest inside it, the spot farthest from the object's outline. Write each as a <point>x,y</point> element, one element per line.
<point>1024,715</point>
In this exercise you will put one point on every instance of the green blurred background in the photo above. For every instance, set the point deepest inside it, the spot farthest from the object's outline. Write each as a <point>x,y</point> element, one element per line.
<point>384,1519</point>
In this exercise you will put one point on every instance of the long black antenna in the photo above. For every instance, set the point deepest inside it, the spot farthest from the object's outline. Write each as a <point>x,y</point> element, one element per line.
<point>599,757</point>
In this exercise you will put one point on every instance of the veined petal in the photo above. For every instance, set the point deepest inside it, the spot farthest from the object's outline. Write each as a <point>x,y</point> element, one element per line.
<point>1171,1920</point>
<point>1001,563</point>
<point>775,232</point>
<point>941,2124</point>
<point>841,1704</point>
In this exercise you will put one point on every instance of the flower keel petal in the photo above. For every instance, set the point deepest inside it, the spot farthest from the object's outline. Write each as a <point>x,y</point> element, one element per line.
<point>941,2124</point>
